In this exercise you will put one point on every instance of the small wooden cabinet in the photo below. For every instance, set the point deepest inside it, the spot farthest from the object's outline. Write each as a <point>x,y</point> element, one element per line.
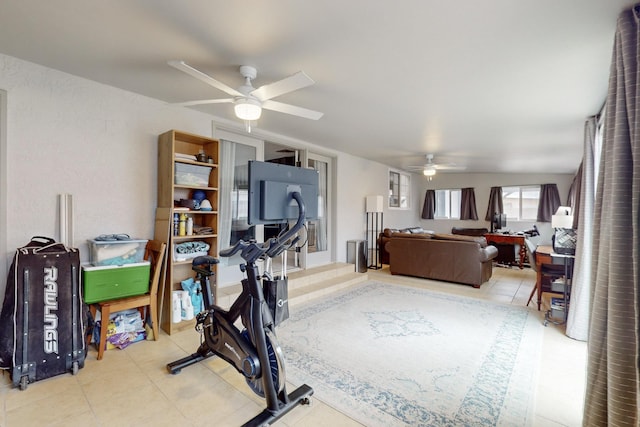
<point>170,190</point>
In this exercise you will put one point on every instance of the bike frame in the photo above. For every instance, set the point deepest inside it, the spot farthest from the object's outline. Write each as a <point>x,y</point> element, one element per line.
<point>221,337</point>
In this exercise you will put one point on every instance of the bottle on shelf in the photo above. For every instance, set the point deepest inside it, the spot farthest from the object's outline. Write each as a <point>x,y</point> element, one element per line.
<point>189,226</point>
<point>186,306</point>
<point>176,222</point>
<point>176,312</point>
<point>183,225</point>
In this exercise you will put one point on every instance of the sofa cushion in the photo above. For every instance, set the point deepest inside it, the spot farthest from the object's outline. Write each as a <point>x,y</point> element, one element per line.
<point>406,235</point>
<point>415,230</point>
<point>461,238</point>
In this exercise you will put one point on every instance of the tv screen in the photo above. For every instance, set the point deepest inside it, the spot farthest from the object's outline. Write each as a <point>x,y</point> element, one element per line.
<point>270,189</point>
<point>499,221</point>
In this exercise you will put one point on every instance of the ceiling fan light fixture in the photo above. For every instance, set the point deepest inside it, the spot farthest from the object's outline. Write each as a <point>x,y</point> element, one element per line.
<point>429,171</point>
<point>248,109</point>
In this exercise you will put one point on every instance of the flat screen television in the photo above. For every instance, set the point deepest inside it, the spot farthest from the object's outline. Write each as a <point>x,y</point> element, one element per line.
<point>499,221</point>
<point>271,186</point>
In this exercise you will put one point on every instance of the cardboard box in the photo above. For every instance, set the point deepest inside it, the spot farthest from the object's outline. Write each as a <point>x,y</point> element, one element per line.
<point>102,283</point>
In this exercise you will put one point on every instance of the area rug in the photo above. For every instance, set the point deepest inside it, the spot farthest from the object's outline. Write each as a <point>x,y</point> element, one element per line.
<point>390,355</point>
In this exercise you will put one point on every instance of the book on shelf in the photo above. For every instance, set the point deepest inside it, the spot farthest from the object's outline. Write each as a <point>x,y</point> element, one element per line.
<point>182,156</point>
<point>558,303</point>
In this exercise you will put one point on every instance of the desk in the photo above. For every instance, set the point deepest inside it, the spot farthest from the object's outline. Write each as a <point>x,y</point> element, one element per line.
<point>508,239</point>
<point>545,255</point>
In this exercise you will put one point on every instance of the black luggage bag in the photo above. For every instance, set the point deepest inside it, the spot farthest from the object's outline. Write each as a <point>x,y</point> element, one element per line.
<point>43,316</point>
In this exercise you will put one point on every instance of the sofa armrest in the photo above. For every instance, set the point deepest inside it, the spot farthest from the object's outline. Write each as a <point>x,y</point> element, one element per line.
<point>488,253</point>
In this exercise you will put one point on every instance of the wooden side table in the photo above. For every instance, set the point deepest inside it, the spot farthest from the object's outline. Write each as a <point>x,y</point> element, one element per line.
<point>509,239</point>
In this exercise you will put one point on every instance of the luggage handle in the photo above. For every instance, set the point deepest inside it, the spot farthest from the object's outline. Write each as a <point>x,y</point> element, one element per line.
<point>46,244</point>
<point>43,239</point>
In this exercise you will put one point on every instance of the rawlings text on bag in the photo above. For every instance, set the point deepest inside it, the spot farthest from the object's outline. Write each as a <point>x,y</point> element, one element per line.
<point>43,316</point>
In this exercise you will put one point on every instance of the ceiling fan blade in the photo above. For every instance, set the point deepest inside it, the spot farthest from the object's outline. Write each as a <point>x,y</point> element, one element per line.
<point>205,101</point>
<point>288,84</point>
<point>450,167</point>
<point>182,66</point>
<point>291,109</point>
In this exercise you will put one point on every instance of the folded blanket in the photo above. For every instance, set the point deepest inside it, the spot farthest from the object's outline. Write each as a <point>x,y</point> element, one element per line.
<point>192,247</point>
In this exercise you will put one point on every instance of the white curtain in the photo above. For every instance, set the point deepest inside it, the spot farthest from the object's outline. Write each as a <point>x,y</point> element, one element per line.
<point>227,171</point>
<point>578,316</point>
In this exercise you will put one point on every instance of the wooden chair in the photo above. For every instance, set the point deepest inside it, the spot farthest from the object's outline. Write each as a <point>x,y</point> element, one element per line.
<point>155,253</point>
<point>550,271</point>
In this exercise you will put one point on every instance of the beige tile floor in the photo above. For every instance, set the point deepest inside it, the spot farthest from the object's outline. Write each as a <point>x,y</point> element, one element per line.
<point>131,387</point>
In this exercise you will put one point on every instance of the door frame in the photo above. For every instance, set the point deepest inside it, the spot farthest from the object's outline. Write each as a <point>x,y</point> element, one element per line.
<point>308,260</point>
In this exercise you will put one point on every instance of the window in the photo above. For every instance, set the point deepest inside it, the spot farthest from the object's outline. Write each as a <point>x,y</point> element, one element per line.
<point>448,204</point>
<point>521,202</point>
<point>399,184</point>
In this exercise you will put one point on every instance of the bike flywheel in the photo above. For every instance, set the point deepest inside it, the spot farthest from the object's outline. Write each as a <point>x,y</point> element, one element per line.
<point>276,365</point>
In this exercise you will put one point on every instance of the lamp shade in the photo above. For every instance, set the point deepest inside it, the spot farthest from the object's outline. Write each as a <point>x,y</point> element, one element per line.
<point>562,218</point>
<point>429,171</point>
<point>248,109</point>
<point>374,204</point>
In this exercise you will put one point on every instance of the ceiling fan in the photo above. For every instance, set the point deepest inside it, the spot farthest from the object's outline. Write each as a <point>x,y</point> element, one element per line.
<point>429,169</point>
<point>249,101</point>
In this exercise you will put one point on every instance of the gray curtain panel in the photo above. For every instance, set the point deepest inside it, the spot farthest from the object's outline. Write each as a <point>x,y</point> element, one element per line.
<point>495,203</point>
<point>613,389</point>
<point>573,199</point>
<point>429,207</point>
<point>549,202</point>
<point>578,316</point>
<point>468,204</point>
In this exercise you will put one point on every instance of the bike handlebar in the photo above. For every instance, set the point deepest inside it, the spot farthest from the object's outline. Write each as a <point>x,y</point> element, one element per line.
<point>253,251</point>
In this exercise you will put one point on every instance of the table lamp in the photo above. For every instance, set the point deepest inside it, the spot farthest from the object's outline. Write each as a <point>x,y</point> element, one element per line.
<point>562,218</point>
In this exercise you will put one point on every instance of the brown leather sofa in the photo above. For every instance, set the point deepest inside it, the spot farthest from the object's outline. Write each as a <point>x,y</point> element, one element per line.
<point>447,257</point>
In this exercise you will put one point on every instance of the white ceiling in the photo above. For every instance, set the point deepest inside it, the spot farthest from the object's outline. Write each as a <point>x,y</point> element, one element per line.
<point>497,85</point>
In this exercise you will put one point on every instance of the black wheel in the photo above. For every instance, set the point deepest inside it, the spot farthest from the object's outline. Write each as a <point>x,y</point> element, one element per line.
<point>24,382</point>
<point>275,363</point>
<point>305,401</point>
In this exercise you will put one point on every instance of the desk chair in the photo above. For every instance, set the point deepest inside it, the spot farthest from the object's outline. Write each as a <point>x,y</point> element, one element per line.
<point>154,252</point>
<point>547,270</point>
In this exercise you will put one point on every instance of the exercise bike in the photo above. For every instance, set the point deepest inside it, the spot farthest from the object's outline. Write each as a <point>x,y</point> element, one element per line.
<point>254,351</point>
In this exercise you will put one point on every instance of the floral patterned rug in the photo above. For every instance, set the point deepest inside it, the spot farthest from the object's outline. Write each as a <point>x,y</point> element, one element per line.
<point>390,355</point>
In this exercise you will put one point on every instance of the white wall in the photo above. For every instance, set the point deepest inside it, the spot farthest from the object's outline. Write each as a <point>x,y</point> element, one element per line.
<point>69,135</point>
